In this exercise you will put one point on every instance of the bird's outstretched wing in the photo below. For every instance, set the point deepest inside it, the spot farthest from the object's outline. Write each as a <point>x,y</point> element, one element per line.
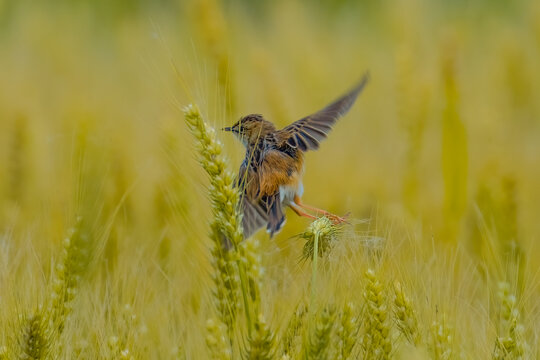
<point>306,134</point>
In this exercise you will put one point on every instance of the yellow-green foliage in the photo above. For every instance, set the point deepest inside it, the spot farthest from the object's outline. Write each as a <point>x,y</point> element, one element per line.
<point>115,243</point>
<point>454,144</point>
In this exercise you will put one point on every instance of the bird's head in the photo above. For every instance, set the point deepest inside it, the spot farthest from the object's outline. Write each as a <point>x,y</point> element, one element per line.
<point>250,128</point>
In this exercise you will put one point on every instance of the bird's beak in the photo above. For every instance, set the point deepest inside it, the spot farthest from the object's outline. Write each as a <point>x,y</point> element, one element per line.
<point>228,128</point>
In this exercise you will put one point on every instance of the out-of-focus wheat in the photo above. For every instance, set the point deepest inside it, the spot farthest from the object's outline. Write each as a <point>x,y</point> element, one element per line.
<point>405,316</point>
<point>85,116</point>
<point>261,342</point>
<point>3,352</point>
<point>347,331</point>
<point>454,145</point>
<point>34,341</point>
<point>292,331</point>
<point>442,340</point>
<point>376,341</point>
<point>510,342</point>
<point>319,341</point>
<point>216,340</point>
<point>67,275</point>
<point>118,350</point>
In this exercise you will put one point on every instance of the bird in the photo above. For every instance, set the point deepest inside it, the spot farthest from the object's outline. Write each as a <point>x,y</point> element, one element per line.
<point>270,176</point>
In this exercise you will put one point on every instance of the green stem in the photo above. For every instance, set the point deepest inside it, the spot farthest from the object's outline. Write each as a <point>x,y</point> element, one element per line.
<point>314,270</point>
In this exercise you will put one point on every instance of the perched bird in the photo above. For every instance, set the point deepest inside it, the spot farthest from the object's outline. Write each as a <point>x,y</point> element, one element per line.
<point>270,176</point>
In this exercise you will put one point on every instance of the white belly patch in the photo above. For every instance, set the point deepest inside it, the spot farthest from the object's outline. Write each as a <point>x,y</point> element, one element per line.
<point>287,193</point>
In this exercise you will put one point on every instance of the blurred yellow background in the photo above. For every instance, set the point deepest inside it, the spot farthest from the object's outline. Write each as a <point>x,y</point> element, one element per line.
<point>443,146</point>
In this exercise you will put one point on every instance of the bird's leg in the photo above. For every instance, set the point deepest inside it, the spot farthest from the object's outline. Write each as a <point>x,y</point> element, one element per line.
<point>335,218</point>
<point>299,212</point>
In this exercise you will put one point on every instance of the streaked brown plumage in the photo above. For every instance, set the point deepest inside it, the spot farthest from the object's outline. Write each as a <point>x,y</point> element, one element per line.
<point>271,174</point>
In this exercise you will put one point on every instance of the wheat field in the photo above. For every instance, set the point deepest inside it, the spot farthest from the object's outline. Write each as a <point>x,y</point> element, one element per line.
<point>116,184</point>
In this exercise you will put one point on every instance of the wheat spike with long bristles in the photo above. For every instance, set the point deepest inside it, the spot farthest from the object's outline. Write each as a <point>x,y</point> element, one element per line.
<point>405,316</point>
<point>346,333</point>
<point>320,336</point>
<point>261,342</point>
<point>376,342</point>
<point>216,340</point>
<point>511,342</point>
<point>66,277</point>
<point>34,341</point>
<point>442,340</point>
<point>292,331</point>
<point>251,258</point>
<point>4,355</point>
<point>226,232</point>
<point>118,350</point>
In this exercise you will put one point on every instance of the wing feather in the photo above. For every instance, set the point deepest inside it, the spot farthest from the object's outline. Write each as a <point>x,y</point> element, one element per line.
<point>306,134</point>
<point>254,217</point>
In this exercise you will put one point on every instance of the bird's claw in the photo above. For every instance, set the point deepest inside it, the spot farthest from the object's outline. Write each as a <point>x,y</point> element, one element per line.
<point>336,220</point>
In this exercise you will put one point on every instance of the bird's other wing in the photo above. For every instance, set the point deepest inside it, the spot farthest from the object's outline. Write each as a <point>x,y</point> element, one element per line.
<point>255,213</point>
<point>254,217</point>
<point>306,134</point>
<point>259,184</point>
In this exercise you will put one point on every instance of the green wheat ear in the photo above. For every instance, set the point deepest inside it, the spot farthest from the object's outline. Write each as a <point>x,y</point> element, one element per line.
<point>442,340</point>
<point>293,329</point>
<point>216,340</point>
<point>34,340</point>
<point>67,276</point>
<point>4,354</point>
<point>118,350</point>
<point>320,337</point>
<point>347,331</point>
<point>511,342</point>
<point>405,316</point>
<point>226,231</point>
<point>322,230</point>
<point>376,341</point>
<point>261,341</point>
<point>237,261</point>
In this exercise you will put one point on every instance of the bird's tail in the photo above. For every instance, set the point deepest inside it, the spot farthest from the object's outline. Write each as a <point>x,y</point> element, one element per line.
<point>276,218</point>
